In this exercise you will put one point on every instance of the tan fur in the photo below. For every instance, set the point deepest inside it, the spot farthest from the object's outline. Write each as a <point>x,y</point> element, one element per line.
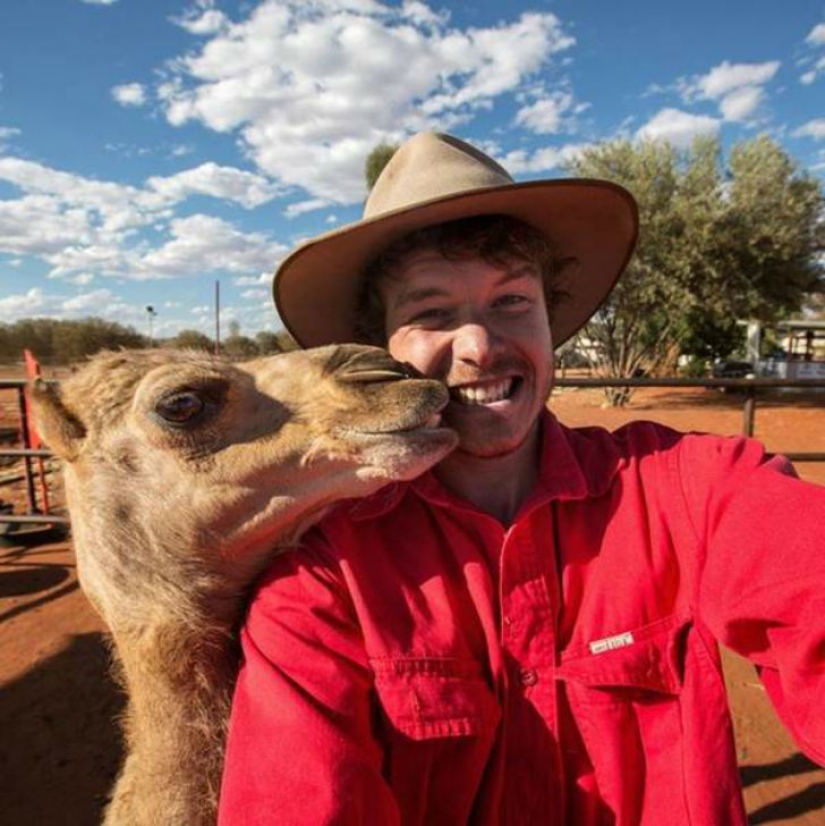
<point>171,524</point>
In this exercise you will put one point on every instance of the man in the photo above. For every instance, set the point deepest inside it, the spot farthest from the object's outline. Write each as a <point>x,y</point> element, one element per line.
<point>526,634</point>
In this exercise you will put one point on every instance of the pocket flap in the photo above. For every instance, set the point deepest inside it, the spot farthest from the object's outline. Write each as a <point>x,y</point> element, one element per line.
<point>435,697</point>
<point>646,658</point>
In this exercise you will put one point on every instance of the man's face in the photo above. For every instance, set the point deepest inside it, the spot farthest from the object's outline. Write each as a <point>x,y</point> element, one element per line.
<point>483,330</point>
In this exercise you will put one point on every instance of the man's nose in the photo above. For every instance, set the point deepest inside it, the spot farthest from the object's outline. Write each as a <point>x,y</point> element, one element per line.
<point>474,343</point>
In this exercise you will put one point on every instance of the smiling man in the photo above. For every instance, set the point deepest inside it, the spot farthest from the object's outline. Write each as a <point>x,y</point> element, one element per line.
<point>527,634</point>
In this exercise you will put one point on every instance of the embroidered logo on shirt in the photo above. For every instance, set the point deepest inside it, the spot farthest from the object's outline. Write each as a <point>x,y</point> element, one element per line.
<point>609,643</point>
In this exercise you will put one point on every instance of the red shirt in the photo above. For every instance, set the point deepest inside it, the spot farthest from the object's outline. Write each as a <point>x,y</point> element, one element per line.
<point>417,662</point>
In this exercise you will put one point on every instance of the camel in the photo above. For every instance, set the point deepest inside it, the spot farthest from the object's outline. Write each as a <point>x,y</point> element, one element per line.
<point>184,475</point>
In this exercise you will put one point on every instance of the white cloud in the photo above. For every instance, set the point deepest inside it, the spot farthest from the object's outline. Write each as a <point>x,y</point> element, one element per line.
<point>7,132</point>
<point>420,13</point>
<point>520,162</point>
<point>677,128</point>
<point>93,303</point>
<point>811,75</point>
<point>300,207</point>
<point>313,85</point>
<point>245,188</point>
<point>35,302</point>
<point>19,306</point>
<point>82,279</point>
<point>726,77</point>
<point>546,115</point>
<point>78,225</point>
<point>202,19</point>
<point>256,295</point>
<point>741,103</point>
<point>99,2</point>
<point>816,36</point>
<point>736,87</point>
<point>204,244</point>
<point>105,206</point>
<point>812,129</point>
<point>129,94</point>
<point>40,225</point>
<point>253,280</point>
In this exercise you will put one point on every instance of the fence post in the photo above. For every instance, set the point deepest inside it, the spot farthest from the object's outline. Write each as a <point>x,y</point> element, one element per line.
<point>749,412</point>
<point>27,462</point>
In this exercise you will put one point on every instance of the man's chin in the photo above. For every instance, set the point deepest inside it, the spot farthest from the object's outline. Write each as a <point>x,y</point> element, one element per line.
<point>496,448</point>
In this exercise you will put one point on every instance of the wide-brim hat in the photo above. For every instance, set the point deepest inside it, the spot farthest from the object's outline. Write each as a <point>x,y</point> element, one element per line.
<point>434,178</point>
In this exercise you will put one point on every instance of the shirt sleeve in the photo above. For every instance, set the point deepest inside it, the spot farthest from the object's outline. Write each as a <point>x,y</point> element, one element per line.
<point>301,748</point>
<point>761,588</point>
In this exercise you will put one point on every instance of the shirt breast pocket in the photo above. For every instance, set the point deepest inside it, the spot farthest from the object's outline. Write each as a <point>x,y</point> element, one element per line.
<point>438,719</point>
<point>625,692</point>
<point>431,697</point>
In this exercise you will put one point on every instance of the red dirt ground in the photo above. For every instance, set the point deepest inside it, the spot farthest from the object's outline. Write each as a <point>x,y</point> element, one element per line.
<point>59,745</point>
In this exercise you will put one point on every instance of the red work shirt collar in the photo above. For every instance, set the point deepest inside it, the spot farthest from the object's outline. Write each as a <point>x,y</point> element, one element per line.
<point>571,467</point>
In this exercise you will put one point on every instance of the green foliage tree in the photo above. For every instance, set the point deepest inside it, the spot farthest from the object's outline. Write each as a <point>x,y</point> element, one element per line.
<point>376,161</point>
<point>238,348</point>
<point>63,342</point>
<point>192,340</point>
<point>270,343</point>
<point>715,244</point>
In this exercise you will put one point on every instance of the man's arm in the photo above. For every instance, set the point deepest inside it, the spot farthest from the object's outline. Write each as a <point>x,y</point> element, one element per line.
<point>762,585</point>
<point>301,748</point>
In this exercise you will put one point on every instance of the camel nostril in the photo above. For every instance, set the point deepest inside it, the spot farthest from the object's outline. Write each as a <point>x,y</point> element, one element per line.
<point>372,365</point>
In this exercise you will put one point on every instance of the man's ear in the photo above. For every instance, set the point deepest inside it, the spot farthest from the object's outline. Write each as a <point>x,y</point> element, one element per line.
<point>60,429</point>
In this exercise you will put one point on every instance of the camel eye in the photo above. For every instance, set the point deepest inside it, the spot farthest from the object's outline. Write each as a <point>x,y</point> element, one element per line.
<point>180,408</point>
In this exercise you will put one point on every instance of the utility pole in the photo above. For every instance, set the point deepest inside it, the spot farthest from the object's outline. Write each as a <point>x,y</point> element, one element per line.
<point>217,318</point>
<point>150,312</point>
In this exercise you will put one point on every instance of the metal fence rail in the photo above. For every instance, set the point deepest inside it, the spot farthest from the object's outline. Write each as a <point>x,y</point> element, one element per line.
<point>35,515</point>
<point>749,387</point>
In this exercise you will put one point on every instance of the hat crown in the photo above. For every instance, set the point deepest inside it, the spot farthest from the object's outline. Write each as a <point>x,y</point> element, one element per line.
<point>432,166</point>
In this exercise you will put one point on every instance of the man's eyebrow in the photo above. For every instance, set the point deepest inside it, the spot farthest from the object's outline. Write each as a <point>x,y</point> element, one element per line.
<point>520,270</point>
<point>416,294</point>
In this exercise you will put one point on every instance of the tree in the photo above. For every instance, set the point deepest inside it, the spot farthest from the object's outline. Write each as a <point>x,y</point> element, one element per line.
<point>376,161</point>
<point>62,342</point>
<point>714,245</point>
<point>270,343</point>
<point>238,348</point>
<point>192,340</point>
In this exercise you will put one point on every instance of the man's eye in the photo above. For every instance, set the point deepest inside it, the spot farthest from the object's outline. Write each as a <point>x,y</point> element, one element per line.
<point>512,300</point>
<point>431,314</point>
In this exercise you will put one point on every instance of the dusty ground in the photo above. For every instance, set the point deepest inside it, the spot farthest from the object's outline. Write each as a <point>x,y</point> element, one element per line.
<point>59,746</point>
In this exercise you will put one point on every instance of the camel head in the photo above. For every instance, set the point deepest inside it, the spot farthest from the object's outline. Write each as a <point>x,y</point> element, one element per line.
<point>185,472</point>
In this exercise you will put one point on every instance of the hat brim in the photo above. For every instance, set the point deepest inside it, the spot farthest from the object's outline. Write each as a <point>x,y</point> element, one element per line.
<point>594,223</point>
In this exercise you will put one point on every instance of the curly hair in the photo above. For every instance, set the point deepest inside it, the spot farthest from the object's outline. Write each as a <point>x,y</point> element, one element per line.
<point>496,239</point>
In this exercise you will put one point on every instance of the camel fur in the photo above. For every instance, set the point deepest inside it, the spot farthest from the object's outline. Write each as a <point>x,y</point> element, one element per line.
<point>184,475</point>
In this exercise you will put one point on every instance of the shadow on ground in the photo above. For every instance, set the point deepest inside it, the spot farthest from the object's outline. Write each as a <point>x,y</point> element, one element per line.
<point>60,748</point>
<point>809,799</point>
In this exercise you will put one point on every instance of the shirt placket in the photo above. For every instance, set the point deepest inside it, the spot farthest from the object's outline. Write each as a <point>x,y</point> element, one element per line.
<point>529,603</point>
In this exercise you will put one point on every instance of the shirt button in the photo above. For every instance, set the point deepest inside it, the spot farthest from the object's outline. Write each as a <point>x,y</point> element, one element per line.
<point>528,676</point>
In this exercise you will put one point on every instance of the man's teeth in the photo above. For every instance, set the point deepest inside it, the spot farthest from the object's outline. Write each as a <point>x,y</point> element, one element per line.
<point>486,394</point>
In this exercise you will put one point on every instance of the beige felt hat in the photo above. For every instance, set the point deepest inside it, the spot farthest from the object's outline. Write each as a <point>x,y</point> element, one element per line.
<point>434,178</point>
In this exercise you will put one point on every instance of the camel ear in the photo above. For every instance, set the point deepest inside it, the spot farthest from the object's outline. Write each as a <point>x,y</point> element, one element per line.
<point>59,428</point>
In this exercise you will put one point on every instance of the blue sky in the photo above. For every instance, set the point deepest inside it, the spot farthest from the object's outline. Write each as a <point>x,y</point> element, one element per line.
<point>150,147</point>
